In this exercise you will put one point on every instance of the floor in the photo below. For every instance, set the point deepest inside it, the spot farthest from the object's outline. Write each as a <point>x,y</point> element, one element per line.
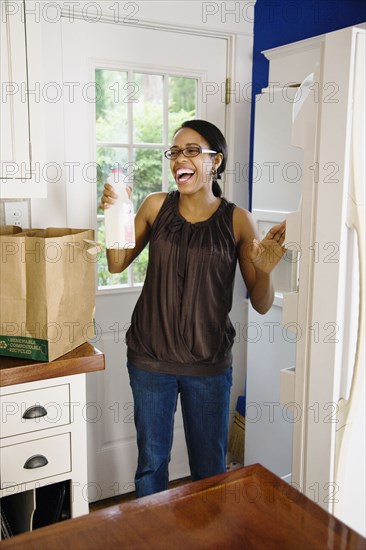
<point>93,506</point>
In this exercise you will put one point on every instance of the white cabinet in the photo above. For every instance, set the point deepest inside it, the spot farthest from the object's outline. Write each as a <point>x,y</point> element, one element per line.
<point>21,140</point>
<point>34,410</point>
<point>15,143</point>
<point>35,460</point>
<point>42,444</point>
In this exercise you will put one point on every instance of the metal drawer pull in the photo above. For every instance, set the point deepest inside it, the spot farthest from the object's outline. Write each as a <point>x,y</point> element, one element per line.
<point>35,461</point>
<point>36,411</point>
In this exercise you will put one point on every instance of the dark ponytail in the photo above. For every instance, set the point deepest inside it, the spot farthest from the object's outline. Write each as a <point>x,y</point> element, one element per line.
<point>216,188</point>
<point>216,141</point>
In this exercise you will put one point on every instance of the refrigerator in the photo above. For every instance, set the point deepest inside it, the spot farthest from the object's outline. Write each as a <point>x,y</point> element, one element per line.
<point>325,233</point>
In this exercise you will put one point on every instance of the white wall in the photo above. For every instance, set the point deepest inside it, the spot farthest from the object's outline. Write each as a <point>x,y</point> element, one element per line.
<point>229,16</point>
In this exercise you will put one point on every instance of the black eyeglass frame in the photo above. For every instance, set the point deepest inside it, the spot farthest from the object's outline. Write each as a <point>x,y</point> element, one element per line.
<point>177,152</point>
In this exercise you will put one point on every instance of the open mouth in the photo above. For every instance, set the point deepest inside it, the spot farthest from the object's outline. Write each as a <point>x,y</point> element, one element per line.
<point>183,175</point>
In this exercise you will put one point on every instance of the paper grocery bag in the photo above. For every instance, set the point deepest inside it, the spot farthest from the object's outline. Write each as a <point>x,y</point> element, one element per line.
<point>47,291</point>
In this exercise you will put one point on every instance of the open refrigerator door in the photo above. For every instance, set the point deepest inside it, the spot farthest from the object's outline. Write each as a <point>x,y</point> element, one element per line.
<point>329,439</point>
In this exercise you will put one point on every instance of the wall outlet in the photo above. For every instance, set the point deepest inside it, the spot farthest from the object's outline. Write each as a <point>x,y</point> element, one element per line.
<point>17,213</point>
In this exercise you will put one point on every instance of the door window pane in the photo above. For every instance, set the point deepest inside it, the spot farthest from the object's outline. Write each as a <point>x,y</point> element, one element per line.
<point>147,173</point>
<point>148,109</point>
<point>182,101</point>
<point>111,106</point>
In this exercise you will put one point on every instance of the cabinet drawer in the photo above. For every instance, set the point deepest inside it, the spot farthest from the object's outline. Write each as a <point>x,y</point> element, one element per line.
<point>28,411</point>
<point>45,457</point>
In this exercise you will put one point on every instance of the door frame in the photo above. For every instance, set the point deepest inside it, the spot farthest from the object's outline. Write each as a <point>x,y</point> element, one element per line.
<point>237,134</point>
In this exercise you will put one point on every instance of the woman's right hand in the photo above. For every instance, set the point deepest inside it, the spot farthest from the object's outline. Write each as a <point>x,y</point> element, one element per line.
<point>109,197</point>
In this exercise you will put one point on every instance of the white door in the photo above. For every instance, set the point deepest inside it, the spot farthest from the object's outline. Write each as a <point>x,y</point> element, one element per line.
<point>140,50</point>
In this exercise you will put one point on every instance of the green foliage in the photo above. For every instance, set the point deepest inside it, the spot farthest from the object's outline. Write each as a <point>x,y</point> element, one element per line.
<point>182,97</point>
<point>111,110</point>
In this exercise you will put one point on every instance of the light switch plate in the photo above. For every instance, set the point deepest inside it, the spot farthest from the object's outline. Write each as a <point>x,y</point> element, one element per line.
<point>17,213</point>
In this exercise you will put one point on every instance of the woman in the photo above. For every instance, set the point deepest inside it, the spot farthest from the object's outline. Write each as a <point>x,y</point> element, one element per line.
<point>181,337</point>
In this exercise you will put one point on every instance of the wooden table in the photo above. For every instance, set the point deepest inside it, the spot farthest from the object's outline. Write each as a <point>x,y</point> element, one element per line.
<point>248,508</point>
<point>83,359</point>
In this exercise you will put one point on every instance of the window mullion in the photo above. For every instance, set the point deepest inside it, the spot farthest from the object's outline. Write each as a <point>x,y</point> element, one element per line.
<point>165,128</point>
<point>130,153</point>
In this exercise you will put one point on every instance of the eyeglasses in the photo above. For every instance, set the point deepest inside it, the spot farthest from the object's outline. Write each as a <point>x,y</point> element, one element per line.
<point>192,151</point>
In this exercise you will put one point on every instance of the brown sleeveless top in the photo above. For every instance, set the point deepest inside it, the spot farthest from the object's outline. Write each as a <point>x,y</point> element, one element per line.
<point>181,324</point>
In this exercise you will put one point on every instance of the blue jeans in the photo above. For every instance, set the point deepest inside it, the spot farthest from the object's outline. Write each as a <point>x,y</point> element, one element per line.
<point>205,410</point>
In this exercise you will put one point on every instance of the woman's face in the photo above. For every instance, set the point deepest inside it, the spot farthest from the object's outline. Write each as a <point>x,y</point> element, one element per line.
<point>192,173</point>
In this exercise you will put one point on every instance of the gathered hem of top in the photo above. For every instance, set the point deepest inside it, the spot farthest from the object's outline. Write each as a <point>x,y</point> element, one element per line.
<point>151,364</point>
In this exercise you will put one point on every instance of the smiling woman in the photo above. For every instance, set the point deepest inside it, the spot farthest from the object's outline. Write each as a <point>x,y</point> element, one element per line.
<point>181,337</point>
<point>211,144</point>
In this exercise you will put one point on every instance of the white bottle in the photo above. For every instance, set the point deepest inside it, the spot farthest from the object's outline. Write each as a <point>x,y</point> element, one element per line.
<point>119,218</point>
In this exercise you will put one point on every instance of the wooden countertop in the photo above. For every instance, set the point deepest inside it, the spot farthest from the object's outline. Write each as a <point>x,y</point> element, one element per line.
<point>85,358</point>
<point>248,508</point>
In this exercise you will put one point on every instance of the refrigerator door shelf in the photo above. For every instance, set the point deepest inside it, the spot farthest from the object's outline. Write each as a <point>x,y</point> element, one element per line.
<point>293,231</point>
<point>289,311</point>
<point>285,274</point>
<point>287,386</point>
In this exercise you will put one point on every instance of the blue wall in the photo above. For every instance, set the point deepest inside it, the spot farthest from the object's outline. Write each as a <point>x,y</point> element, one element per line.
<point>278,22</point>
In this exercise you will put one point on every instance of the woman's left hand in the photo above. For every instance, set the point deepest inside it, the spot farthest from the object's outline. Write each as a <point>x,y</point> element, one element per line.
<point>266,254</point>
